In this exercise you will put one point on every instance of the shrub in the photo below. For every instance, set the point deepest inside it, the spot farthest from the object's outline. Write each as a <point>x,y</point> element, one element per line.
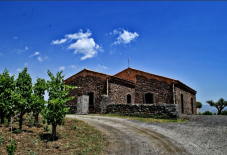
<point>224,112</point>
<point>1,140</point>
<point>11,148</point>
<point>207,113</point>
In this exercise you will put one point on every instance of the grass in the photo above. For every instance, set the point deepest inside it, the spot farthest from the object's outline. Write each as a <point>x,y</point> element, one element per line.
<point>74,137</point>
<point>146,120</point>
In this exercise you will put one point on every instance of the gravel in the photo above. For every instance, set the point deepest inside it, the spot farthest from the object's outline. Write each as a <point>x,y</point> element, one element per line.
<point>201,135</point>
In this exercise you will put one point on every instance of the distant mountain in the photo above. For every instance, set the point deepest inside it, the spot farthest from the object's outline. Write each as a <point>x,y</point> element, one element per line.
<point>209,108</point>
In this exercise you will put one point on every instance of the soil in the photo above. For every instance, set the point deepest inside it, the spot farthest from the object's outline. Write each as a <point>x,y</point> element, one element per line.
<point>200,135</point>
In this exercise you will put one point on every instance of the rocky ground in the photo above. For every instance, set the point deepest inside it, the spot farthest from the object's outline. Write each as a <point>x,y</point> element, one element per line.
<point>200,135</point>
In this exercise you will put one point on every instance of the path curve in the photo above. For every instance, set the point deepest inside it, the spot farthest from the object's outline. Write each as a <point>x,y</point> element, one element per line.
<point>129,138</point>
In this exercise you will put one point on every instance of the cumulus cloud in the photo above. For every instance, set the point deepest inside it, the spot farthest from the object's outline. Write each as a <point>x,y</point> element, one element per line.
<point>20,51</point>
<point>40,59</point>
<point>18,69</point>
<point>125,36</point>
<point>58,41</point>
<point>83,44</point>
<point>14,37</point>
<point>72,66</point>
<point>79,35</point>
<point>36,53</point>
<point>62,68</point>
<point>26,64</point>
<point>102,67</point>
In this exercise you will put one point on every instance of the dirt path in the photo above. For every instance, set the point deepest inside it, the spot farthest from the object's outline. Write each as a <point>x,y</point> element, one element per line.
<point>129,138</point>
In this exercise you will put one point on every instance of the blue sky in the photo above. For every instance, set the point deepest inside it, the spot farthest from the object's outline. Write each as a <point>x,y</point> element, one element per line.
<point>182,40</point>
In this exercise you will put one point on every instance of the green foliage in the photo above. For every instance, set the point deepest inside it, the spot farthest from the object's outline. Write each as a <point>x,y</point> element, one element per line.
<point>56,110</point>
<point>5,121</point>
<point>224,112</point>
<point>38,102</point>
<point>7,101</point>
<point>17,131</point>
<point>220,105</point>
<point>200,113</point>
<point>11,148</point>
<point>199,105</point>
<point>1,140</point>
<point>23,93</point>
<point>207,113</point>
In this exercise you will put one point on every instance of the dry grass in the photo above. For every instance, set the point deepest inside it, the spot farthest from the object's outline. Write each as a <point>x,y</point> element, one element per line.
<point>146,120</point>
<point>74,137</point>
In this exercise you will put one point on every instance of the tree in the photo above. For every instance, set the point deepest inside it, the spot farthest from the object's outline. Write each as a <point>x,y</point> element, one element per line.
<point>56,110</point>
<point>23,93</point>
<point>220,105</point>
<point>199,105</point>
<point>37,104</point>
<point>7,101</point>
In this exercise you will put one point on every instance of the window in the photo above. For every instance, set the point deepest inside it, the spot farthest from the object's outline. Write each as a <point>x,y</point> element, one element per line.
<point>192,105</point>
<point>182,103</point>
<point>149,98</point>
<point>129,98</point>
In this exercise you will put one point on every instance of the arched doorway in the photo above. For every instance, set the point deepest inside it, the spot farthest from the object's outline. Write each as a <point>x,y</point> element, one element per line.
<point>192,105</point>
<point>91,100</point>
<point>129,98</point>
<point>148,98</point>
<point>182,103</point>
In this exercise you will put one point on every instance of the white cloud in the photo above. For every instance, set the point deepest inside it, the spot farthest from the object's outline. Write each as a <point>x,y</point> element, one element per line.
<point>26,64</point>
<point>62,68</point>
<point>40,59</point>
<point>103,67</point>
<point>36,53</point>
<point>20,51</point>
<point>72,66</point>
<point>18,69</point>
<point>124,36</point>
<point>14,37</point>
<point>58,41</point>
<point>1,54</point>
<point>83,44</point>
<point>79,35</point>
<point>46,57</point>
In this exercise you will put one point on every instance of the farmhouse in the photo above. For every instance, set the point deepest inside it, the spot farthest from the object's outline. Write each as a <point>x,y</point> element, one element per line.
<point>131,86</point>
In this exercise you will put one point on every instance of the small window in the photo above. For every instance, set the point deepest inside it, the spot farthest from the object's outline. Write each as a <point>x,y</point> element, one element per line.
<point>129,98</point>
<point>182,103</point>
<point>149,98</point>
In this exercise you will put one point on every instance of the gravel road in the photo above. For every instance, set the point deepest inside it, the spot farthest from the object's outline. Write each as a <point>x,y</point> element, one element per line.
<point>201,135</point>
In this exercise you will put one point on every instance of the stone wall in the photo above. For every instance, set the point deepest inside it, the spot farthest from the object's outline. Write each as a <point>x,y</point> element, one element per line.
<point>88,84</point>
<point>145,110</point>
<point>187,96</point>
<point>163,92</point>
<point>118,93</point>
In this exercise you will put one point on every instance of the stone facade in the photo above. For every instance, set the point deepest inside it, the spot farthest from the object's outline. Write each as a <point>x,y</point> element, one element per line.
<point>161,90</point>
<point>138,85</point>
<point>88,84</point>
<point>118,93</point>
<point>188,99</point>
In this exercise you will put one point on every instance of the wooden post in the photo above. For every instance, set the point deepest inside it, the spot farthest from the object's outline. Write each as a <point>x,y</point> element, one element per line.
<point>107,86</point>
<point>173,94</point>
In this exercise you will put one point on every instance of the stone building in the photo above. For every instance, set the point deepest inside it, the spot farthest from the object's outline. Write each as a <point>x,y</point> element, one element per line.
<point>131,86</point>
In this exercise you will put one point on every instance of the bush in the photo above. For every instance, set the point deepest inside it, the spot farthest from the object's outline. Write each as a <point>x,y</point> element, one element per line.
<point>11,148</point>
<point>1,140</point>
<point>224,112</point>
<point>199,105</point>
<point>207,113</point>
